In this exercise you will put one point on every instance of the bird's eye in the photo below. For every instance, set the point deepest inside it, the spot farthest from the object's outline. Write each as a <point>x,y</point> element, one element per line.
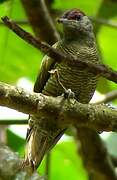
<point>78,17</point>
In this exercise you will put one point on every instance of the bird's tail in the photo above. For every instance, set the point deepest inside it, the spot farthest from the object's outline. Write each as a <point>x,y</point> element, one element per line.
<point>39,142</point>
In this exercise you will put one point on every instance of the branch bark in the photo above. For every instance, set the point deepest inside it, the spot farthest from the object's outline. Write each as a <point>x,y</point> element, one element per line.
<point>41,20</point>
<point>70,112</point>
<point>99,69</point>
<point>86,117</point>
<point>96,159</point>
<point>9,166</point>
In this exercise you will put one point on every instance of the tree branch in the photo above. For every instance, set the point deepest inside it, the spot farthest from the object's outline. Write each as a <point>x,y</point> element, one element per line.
<point>97,117</point>
<point>9,166</point>
<point>107,97</point>
<point>103,13</point>
<point>100,69</point>
<point>41,20</point>
<point>96,159</point>
<point>86,117</point>
<point>104,22</point>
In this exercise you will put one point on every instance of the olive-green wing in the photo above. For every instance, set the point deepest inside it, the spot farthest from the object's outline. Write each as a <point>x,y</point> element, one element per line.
<point>43,76</point>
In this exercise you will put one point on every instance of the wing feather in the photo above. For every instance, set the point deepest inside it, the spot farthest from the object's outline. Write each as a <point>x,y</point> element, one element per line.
<point>43,76</point>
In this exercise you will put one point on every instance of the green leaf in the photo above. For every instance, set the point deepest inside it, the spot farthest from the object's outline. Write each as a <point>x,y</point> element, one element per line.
<point>17,58</point>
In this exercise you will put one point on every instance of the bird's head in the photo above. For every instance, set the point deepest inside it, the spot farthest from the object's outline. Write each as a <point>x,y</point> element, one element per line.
<point>76,22</point>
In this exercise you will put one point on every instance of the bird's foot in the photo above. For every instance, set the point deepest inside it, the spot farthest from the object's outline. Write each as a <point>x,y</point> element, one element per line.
<point>68,93</point>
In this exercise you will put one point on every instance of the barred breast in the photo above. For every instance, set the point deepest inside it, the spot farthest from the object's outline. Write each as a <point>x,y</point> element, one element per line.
<point>80,81</point>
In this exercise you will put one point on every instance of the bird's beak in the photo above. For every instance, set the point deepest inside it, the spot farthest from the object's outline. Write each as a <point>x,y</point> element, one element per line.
<point>62,20</point>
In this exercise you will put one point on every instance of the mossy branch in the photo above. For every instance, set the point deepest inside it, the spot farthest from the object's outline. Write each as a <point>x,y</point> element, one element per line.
<point>71,112</point>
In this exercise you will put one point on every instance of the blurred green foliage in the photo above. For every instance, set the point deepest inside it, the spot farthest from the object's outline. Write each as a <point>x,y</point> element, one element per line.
<point>18,59</point>
<point>1,1</point>
<point>15,142</point>
<point>64,162</point>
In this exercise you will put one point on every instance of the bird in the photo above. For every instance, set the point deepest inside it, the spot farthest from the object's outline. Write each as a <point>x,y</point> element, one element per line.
<point>78,41</point>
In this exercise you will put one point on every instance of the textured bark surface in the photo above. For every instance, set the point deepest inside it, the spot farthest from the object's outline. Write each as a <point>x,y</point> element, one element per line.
<point>66,112</point>
<point>40,20</point>
<point>10,166</point>
<point>69,111</point>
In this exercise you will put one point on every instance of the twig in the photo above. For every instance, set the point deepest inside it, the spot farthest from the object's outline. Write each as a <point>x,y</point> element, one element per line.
<point>21,22</point>
<point>103,12</point>
<point>107,97</point>
<point>13,121</point>
<point>41,20</point>
<point>94,19</point>
<point>100,69</point>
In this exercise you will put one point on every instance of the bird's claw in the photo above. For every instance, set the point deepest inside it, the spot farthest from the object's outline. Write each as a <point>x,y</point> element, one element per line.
<point>69,94</point>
